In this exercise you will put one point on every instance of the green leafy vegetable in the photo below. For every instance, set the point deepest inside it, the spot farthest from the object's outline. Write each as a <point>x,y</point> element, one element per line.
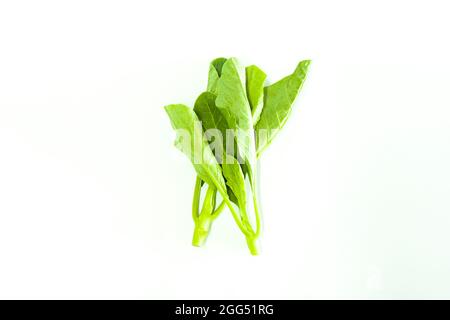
<point>236,109</point>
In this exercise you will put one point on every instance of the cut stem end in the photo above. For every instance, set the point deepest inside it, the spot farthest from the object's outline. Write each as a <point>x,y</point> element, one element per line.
<point>252,244</point>
<point>201,230</point>
<point>199,238</point>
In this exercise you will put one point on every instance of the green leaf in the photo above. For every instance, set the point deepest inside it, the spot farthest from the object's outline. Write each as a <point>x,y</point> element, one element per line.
<point>211,118</point>
<point>215,71</point>
<point>236,181</point>
<point>232,101</point>
<point>196,148</point>
<point>278,100</point>
<point>208,113</point>
<point>255,90</point>
<point>231,196</point>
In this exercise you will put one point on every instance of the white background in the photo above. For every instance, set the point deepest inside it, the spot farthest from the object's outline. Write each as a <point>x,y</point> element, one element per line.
<point>95,200</point>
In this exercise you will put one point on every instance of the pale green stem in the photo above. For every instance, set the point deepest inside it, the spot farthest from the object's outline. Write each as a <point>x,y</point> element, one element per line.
<point>204,220</point>
<point>235,215</point>
<point>196,200</point>
<point>257,214</point>
<point>219,209</point>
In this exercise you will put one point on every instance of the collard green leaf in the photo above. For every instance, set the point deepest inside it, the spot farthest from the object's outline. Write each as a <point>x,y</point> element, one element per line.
<point>278,100</point>
<point>215,71</point>
<point>236,181</point>
<point>233,103</point>
<point>255,90</point>
<point>186,122</point>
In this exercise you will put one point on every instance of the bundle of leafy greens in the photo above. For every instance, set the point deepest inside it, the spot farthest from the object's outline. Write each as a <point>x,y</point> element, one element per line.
<point>228,129</point>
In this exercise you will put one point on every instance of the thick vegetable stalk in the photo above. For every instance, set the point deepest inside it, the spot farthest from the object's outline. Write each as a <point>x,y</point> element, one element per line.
<point>204,219</point>
<point>243,222</point>
<point>252,235</point>
<point>252,240</point>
